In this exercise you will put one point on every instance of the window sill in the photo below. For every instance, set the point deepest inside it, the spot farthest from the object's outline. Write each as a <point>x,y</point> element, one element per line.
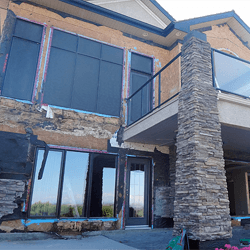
<point>30,221</point>
<point>80,111</point>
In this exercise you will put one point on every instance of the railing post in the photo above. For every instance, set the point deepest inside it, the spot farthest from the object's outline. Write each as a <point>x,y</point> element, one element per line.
<point>159,90</point>
<point>128,111</point>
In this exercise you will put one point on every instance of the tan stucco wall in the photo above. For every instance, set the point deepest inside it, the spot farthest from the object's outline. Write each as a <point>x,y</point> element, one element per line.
<point>3,12</point>
<point>70,128</point>
<point>221,37</point>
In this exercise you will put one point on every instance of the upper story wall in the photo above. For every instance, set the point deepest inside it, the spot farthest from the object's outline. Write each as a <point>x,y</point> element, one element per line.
<point>72,127</point>
<point>222,37</point>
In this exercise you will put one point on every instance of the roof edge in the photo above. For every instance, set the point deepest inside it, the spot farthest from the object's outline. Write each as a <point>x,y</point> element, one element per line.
<point>162,10</point>
<point>203,19</point>
<point>244,25</point>
<point>114,15</point>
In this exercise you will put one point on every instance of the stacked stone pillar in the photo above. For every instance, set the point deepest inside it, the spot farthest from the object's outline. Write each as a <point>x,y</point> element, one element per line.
<point>201,198</point>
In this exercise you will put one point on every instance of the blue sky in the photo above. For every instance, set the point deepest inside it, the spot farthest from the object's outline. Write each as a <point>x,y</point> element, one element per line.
<point>186,9</point>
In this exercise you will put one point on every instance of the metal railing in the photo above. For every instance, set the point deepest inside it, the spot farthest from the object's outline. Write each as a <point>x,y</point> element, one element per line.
<point>230,73</point>
<point>145,94</point>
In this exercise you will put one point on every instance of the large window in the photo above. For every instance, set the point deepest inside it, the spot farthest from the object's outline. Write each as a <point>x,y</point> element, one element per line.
<point>20,72</point>
<point>141,71</point>
<point>74,184</point>
<point>84,74</point>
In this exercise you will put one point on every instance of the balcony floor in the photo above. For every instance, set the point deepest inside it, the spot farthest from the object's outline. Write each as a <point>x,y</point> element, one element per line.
<point>160,127</point>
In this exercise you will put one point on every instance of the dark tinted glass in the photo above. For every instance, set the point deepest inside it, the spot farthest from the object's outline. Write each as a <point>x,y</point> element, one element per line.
<point>28,30</point>
<point>89,47</point>
<point>109,94</point>
<point>21,70</point>
<point>60,77</point>
<point>141,63</point>
<point>112,54</point>
<point>64,40</point>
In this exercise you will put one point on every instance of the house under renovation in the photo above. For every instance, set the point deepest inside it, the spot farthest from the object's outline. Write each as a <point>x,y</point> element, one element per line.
<point>114,115</point>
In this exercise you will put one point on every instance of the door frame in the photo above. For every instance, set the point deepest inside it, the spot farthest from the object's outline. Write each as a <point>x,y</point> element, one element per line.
<point>147,192</point>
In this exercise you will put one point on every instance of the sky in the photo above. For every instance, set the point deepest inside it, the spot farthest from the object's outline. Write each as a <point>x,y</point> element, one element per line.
<point>186,9</point>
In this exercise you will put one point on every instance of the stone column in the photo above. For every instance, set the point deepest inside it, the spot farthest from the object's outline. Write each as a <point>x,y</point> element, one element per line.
<point>201,198</point>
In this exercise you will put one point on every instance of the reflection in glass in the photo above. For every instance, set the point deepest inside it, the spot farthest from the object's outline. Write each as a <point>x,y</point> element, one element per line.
<point>136,197</point>
<point>74,184</point>
<point>231,75</point>
<point>44,199</point>
<point>103,186</point>
<point>248,174</point>
<point>108,194</point>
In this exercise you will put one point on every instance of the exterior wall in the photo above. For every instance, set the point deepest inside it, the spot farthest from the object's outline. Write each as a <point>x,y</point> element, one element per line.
<point>221,37</point>
<point>160,170</point>
<point>240,192</point>
<point>236,176</point>
<point>11,190</point>
<point>165,192</point>
<point>71,128</point>
<point>66,126</point>
<point>201,198</point>
<point>171,77</point>
<point>16,161</point>
<point>3,12</point>
<point>93,131</point>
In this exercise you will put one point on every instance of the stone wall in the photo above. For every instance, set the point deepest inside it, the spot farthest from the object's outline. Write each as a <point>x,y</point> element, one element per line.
<point>164,192</point>
<point>201,197</point>
<point>10,191</point>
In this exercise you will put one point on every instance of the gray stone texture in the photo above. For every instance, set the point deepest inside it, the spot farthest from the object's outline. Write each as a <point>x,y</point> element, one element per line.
<point>10,191</point>
<point>201,198</point>
<point>164,195</point>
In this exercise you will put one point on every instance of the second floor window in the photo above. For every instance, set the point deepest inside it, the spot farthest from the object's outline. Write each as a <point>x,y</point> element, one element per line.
<point>84,74</point>
<point>22,61</point>
<point>141,70</point>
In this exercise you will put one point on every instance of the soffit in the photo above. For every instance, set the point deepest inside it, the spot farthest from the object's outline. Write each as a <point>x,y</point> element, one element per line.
<point>235,23</point>
<point>210,23</point>
<point>135,9</point>
<point>239,30</point>
<point>156,36</point>
<point>167,37</point>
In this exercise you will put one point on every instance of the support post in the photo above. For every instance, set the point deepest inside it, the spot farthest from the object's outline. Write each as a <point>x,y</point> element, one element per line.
<point>201,197</point>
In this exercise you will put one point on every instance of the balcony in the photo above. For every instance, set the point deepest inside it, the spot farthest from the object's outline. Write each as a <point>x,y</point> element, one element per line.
<point>154,121</point>
<point>149,117</point>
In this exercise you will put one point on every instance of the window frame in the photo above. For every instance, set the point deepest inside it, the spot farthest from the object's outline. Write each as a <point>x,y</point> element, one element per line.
<point>86,208</point>
<point>129,71</point>
<point>49,46</point>
<point>38,60</point>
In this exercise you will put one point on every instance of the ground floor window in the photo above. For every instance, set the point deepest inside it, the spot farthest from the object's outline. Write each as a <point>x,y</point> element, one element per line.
<point>73,184</point>
<point>248,180</point>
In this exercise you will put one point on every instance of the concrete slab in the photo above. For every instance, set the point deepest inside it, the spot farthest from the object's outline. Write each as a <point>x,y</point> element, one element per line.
<point>25,236</point>
<point>119,239</point>
<point>93,242</point>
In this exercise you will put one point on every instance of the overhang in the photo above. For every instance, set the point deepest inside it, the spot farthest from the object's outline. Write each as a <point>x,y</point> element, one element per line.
<point>161,126</point>
<point>167,37</point>
<point>235,23</point>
